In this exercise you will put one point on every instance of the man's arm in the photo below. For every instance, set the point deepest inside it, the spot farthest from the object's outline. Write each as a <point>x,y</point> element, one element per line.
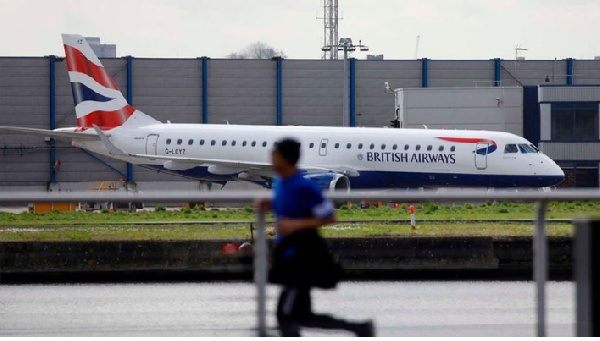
<point>322,214</point>
<point>288,226</point>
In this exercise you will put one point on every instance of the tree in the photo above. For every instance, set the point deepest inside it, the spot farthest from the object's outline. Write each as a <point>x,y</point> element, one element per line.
<point>257,50</point>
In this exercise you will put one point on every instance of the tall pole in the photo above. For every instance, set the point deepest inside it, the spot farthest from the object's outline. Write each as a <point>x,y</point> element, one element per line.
<point>346,96</point>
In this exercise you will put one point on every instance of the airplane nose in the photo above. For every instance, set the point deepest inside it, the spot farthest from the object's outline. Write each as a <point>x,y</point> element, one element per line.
<point>555,176</point>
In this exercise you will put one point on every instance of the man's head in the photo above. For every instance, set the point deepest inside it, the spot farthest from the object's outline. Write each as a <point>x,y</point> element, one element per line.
<point>285,156</point>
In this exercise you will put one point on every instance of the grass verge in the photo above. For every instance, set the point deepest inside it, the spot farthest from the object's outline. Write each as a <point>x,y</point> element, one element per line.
<point>87,226</point>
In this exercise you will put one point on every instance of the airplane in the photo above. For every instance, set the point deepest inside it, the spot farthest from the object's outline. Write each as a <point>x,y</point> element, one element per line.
<point>336,158</point>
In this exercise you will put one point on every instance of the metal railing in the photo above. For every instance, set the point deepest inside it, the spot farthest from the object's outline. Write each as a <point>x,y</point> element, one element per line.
<point>540,247</point>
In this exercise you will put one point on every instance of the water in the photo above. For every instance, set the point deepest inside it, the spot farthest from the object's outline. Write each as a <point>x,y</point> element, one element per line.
<point>223,309</point>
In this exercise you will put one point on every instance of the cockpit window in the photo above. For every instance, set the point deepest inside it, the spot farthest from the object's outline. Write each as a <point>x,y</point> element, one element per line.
<point>511,148</point>
<point>537,150</point>
<point>526,149</point>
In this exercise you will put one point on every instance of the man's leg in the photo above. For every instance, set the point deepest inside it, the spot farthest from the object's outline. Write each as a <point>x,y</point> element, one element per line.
<point>326,321</point>
<point>286,319</point>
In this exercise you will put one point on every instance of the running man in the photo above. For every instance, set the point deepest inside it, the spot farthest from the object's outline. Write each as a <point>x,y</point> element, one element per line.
<point>301,259</point>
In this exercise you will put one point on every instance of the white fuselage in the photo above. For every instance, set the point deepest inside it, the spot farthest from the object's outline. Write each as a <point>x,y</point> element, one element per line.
<point>375,157</point>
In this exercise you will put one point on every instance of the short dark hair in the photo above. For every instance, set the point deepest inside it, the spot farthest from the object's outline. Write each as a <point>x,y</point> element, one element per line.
<point>289,149</point>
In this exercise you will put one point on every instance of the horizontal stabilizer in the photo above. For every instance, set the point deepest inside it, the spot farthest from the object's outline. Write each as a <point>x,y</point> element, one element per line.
<point>64,135</point>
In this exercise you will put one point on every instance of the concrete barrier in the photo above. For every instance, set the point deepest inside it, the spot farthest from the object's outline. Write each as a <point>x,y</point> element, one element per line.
<point>407,257</point>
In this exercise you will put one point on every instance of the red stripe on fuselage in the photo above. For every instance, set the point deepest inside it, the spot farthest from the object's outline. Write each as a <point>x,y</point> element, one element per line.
<point>106,119</point>
<point>77,61</point>
<point>467,140</point>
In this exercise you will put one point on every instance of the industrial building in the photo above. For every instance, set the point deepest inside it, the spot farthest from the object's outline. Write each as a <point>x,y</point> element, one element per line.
<point>552,103</point>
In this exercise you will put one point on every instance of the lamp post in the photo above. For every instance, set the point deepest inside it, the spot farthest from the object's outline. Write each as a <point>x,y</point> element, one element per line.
<point>345,44</point>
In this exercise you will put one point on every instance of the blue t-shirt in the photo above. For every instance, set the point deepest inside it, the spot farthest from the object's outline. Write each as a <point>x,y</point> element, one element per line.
<point>296,197</point>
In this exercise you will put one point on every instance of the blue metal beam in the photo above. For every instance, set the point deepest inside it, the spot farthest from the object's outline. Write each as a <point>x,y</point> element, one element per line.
<point>130,101</point>
<point>279,62</point>
<point>52,117</point>
<point>424,72</point>
<point>353,92</point>
<point>497,68</point>
<point>569,71</point>
<point>204,89</point>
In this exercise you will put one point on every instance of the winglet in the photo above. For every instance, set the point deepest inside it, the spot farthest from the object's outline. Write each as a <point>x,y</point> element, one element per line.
<point>112,149</point>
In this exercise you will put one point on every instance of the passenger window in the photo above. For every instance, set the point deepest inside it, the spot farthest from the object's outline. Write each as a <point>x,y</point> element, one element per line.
<point>190,142</point>
<point>180,141</point>
<point>429,148</point>
<point>383,146</point>
<point>418,147</point>
<point>372,146</point>
<point>311,145</point>
<point>244,144</point>
<point>201,142</point>
<point>337,145</point>
<point>213,142</point>
<point>168,141</point>
<point>510,149</point>
<point>349,145</point>
<point>264,144</point>
<point>323,145</point>
<point>406,147</point>
<point>233,143</point>
<point>253,143</point>
<point>394,147</point>
<point>360,145</point>
<point>224,143</point>
<point>452,148</point>
<point>441,149</point>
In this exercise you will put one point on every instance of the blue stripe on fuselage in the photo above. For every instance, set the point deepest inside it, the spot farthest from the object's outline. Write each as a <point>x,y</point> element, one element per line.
<point>387,180</point>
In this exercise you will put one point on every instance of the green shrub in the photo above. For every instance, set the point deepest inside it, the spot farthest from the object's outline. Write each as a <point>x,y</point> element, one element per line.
<point>104,210</point>
<point>186,210</point>
<point>503,210</point>
<point>468,206</point>
<point>431,207</point>
<point>159,208</point>
<point>248,209</point>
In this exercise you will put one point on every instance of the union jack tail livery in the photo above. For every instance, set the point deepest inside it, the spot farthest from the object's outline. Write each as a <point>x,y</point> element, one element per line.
<point>98,100</point>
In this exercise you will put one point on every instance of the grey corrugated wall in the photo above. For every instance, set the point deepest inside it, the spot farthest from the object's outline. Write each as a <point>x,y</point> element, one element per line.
<point>239,91</point>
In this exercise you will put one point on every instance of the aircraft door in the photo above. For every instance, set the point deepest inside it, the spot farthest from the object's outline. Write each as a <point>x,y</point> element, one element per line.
<point>481,151</point>
<point>151,144</point>
<point>323,147</point>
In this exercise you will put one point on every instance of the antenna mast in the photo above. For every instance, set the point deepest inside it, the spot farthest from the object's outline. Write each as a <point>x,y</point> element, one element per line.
<point>330,28</point>
<point>417,46</point>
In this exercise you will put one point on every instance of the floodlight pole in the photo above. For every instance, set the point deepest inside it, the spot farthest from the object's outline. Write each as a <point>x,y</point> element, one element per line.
<point>345,111</point>
<point>346,45</point>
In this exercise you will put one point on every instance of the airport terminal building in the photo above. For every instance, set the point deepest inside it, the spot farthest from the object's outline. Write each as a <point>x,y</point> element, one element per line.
<point>552,103</point>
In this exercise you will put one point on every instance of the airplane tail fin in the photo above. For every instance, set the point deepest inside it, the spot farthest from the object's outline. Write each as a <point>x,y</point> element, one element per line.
<point>98,100</point>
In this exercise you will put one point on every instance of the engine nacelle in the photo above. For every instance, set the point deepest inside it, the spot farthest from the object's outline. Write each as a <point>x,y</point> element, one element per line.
<point>330,181</point>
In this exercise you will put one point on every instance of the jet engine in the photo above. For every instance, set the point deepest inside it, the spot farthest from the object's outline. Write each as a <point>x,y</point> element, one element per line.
<point>330,181</point>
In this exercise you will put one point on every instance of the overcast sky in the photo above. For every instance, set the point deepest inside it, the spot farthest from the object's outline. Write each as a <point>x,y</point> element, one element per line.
<point>449,29</point>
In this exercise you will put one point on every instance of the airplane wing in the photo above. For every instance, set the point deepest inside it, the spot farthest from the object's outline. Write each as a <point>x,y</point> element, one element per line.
<point>63,135</point>
<point>181,162</point>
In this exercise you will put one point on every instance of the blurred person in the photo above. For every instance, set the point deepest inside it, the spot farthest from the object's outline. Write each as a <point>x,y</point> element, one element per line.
<point>301,259</point>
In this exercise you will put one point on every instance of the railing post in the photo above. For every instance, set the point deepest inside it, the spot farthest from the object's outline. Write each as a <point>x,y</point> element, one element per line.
<point>540,265</point>
<point>52,118</point>
<point>260,273</point>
